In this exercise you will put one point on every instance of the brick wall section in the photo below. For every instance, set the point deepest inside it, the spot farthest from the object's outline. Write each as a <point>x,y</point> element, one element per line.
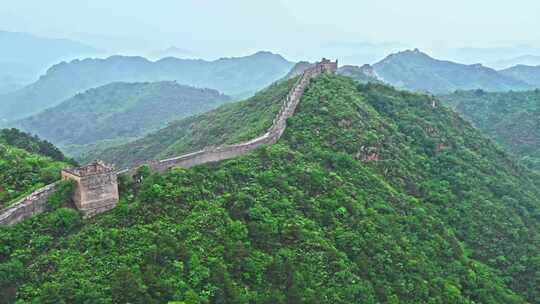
<point>270,137</point>
<point>29,206</point>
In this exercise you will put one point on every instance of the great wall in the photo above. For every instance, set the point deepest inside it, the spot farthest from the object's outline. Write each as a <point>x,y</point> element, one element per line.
<point>96,189</point>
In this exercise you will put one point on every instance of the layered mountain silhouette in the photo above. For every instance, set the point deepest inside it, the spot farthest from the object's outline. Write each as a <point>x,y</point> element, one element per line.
<point>240,76</point>
<point>118,112</point>
<point>417,71</point>
<point>531,60</point>
<point>525,73</point>
<point>23,56</point>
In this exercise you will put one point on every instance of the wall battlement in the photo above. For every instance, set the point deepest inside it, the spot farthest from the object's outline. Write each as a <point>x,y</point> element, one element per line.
<point>96,188</point>
<point>97,167</point>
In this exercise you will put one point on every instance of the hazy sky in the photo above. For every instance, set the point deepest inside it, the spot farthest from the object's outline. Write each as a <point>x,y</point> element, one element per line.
<point>236,27</point>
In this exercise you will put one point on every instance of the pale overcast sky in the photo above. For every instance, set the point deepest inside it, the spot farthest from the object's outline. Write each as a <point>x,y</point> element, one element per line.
<point>236,27</point>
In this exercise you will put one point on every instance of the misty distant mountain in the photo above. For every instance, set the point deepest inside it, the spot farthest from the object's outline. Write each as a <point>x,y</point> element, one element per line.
<point>236,77</point>
<point>171,52</point>
<point>118,112</point>
<point>9,84</point>
<point>531,60</point>
<point>417,71</point>
<point>485,55</point>
<point>525,73</point>
<point>24,56</point>
<point>359,53</point>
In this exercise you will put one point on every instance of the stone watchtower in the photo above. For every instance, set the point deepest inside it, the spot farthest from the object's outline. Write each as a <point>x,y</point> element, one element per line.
<point>96,188</point>
<point>328,65</point>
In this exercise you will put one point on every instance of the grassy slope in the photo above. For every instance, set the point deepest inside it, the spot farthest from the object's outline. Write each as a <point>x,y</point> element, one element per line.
<point>230,123</point>
<point>22,172</point>
<point>118,112</point>
<point>304,221</point>
<point>509,118</point>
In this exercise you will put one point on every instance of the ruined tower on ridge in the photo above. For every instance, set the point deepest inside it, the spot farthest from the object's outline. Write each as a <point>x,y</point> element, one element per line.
<point>96,188</point>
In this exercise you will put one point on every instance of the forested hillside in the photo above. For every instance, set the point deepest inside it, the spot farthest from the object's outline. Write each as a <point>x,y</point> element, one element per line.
<point>231,123</point>
<point>371,196</point>
<point>414,70</point>
<point>117,113</point>
<point>240,76</point>
<point>26,163</point>
<point>509,118</point>
<point>31,143</point>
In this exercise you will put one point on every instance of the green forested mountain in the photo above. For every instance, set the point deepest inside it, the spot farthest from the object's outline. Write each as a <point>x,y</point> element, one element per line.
<point>117,113</point>
<point>229,123</point>
<point>26,163</point>
<point>240,76</point>
<point>511,119</point>
<point>31,143</point>
<point>437,215</point>
<point>417,71</point>
<point>525,73</point>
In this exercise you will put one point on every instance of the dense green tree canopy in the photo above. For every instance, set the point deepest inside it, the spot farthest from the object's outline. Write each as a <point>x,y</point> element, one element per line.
<point>371,196</point>
<point>30,143</point>
<point>509,118</point>
<point>21,171</point>
<point>118,112</point>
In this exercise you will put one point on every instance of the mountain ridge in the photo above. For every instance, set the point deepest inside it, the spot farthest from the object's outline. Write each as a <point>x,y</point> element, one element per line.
<point>237,76</point>
<point>509,118</point>
<point>417,71</point>
<point>525,73</point>
<point>117,111</point>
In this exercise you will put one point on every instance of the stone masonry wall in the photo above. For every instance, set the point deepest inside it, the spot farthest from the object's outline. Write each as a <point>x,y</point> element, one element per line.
<point>36,202</point>
<point>29,206</point>
<point>231,151</point>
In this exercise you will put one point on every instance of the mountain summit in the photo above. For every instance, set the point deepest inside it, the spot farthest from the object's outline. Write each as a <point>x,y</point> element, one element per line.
<point>415,70</point>
<point>240,76</point>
